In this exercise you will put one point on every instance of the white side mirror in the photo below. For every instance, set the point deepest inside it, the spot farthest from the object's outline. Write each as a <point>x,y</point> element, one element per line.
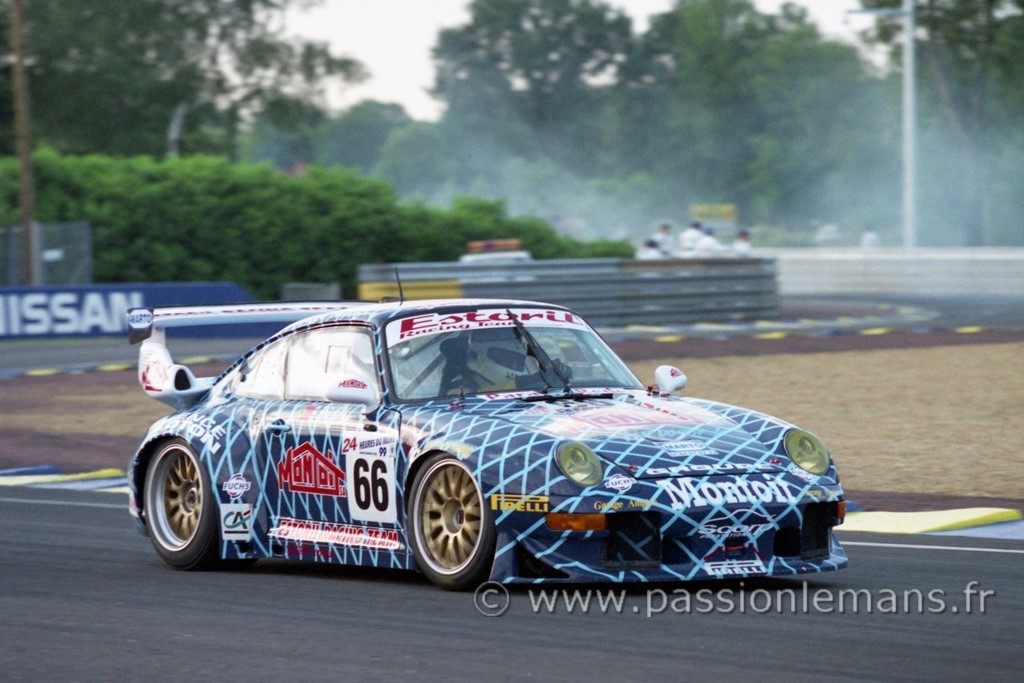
<point>668,379</point>
<point>352,389</point>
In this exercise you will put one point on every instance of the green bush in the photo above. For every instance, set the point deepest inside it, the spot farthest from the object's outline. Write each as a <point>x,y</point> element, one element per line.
<point>206,219</point>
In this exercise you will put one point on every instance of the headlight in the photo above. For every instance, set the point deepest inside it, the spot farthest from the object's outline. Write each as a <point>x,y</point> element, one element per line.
<point>806,451</point>
<point>579,464</point>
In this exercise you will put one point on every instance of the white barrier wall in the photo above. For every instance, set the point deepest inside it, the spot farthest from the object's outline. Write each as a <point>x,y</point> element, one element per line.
<point>899,271</point>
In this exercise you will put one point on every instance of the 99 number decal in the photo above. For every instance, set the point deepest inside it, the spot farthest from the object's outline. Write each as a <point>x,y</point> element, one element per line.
<point>371,482</point>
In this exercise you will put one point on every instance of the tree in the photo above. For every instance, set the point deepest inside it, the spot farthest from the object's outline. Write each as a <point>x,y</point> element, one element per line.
<point>415,158</point>
<point>542,61</point>
<point>972,109</point>
<point>701,58</point>
<point>822,145</point>
<point>715,102</point>
<point>108,76</point>
<point>354,138</point>
<point>284,136</point>
<point>6,88</point>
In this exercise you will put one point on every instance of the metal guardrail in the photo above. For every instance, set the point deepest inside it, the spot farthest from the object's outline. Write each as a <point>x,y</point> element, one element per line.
<point>608,292</point>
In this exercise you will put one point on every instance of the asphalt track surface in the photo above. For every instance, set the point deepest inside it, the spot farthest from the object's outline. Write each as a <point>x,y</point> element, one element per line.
<point>84,597</point>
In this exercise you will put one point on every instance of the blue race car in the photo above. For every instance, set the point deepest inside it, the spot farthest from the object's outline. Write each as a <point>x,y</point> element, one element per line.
<point>473,440</point>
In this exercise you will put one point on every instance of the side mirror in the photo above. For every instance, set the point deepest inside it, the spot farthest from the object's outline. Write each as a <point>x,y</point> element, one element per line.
<point>352,389</point>
<point>668,379</point>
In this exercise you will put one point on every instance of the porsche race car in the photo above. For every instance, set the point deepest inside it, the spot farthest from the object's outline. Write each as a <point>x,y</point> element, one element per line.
<point>472,440</point>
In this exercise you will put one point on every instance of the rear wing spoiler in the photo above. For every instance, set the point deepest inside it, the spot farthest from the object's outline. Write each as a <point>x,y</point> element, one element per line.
<point>143,322</point>
<point>175,385</point>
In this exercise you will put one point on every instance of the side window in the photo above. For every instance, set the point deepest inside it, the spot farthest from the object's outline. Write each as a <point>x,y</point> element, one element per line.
<point>305,368</point>
<point>315,356</point>
<point>351,353</point>
<point>264,377</point>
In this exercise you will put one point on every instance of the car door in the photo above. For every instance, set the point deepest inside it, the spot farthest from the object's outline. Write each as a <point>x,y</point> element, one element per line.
<point>334,463</point>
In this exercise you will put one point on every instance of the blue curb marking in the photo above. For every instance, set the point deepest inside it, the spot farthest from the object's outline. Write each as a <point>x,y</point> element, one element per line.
<point>29,471</point>
<point>1013,531</point>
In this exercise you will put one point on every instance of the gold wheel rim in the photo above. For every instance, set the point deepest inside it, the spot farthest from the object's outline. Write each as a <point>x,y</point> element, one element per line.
<point>182,497</point>
<point>451,517</point>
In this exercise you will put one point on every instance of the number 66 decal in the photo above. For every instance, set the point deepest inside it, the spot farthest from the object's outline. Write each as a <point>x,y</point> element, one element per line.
<point>371,486</point>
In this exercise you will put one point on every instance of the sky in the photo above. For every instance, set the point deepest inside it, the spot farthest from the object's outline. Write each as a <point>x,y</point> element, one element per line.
<point>393,39</point>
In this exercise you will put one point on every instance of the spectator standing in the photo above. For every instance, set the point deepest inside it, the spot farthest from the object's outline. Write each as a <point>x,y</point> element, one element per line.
<point>689,239</point>
<point>663,240</point>
<point>649,251</point>
<point>741,246</point>
<point>708,245</point>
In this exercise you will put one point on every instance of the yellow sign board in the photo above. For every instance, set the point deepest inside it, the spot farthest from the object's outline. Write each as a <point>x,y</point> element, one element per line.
<point>713,213</point>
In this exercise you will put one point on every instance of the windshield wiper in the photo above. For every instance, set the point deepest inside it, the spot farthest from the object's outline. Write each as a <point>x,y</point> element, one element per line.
<point>533,348</point>
<point>568,395</point>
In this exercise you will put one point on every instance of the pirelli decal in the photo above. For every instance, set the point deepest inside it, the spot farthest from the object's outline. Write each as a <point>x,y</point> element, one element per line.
<point>507,502</point>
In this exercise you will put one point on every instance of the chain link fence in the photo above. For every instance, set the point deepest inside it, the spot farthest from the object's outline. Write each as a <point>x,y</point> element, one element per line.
<point>64,256</point>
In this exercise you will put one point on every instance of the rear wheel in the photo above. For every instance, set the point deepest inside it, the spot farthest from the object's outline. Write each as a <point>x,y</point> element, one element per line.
<point>180,508</point>
<point>452,532</point>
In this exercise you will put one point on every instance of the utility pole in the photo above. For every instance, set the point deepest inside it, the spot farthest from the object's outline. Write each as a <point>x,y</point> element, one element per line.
<point>23,144</point>
<point>907,14</point>
<point>909,128</point>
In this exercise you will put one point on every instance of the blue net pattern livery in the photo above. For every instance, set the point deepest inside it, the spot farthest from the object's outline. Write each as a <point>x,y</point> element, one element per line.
<point>686,488</point>
<point>291,490</point>
<point>731,506</point>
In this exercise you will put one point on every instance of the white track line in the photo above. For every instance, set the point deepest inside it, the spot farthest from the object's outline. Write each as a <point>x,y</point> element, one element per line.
<point>934,547</point>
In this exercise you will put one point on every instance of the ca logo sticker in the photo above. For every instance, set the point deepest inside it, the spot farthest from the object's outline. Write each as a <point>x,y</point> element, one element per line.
<point>236,522</point>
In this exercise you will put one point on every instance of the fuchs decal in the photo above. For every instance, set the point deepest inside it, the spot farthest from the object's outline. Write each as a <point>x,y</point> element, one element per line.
<point>619,482</point>
<point>236,487</point>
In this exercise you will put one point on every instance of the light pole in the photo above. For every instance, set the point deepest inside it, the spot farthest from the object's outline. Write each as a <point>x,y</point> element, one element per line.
<point>23,142</point>
<point>909,129</point>
<point>907,14</point>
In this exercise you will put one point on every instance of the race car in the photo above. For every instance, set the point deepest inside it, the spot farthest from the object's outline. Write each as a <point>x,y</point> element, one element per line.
<point>472,440</point>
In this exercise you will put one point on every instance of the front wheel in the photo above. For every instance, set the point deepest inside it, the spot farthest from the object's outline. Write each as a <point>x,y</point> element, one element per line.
<point>180,508</point>
<point>452,532</point>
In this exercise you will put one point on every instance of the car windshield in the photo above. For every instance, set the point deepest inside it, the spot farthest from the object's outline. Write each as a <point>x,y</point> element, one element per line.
<point>482,352</point>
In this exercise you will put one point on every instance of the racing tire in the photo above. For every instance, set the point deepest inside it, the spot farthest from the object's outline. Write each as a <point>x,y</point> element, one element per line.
<point>181,513</point>
<point>451,530</point>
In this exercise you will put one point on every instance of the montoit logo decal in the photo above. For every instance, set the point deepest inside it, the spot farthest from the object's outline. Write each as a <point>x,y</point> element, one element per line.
<point>304,469</point>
